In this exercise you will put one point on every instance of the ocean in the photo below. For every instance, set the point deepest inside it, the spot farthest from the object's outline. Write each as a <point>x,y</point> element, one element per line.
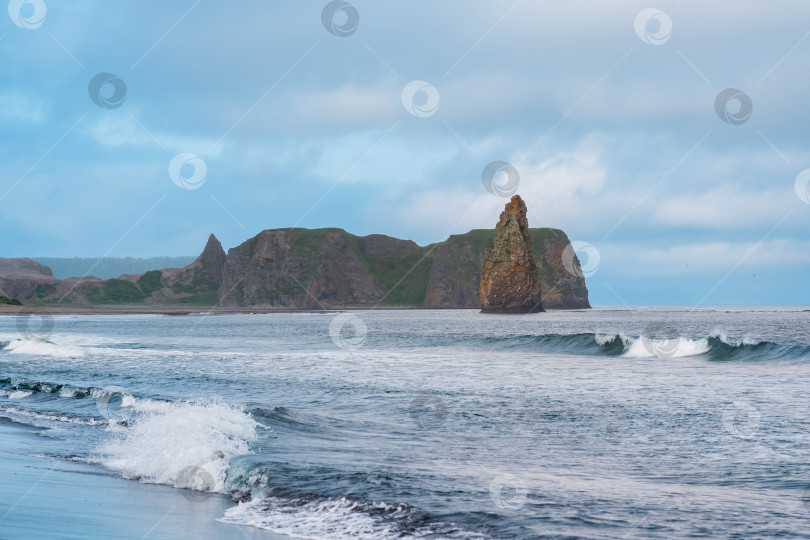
<point>605,423</point>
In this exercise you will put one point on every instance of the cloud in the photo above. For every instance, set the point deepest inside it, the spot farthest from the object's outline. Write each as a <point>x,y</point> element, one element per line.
<point>698,259</point>
<point>724,207</point>
<point>21,107</point>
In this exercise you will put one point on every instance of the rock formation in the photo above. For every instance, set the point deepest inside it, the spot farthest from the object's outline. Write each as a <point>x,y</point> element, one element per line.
<point>20,278</point>
<point>510,280</point>
<point>310,269</point>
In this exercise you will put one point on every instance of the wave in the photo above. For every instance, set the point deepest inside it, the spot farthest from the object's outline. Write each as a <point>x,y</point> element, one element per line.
<point>40,347</point>
<point>186,444</point>
<point>20,415</point>
<point>717,346</point>
<point>339,518</point>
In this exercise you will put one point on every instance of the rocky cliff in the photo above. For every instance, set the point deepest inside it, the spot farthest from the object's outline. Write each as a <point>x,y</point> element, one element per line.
<point>314,269</point>
<point>510,280</point>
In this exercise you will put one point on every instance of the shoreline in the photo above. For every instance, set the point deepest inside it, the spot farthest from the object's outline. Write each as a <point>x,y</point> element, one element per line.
<point>152,310</point>
<point>82,501</point>
<point>196,310</point>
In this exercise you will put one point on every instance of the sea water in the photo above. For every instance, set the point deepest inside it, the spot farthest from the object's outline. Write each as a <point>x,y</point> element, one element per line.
<point>637,423</point>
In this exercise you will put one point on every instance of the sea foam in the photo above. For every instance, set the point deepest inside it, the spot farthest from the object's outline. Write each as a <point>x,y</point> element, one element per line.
<point>39,347</point>
<point>163,440</point>
<point>685,347</point>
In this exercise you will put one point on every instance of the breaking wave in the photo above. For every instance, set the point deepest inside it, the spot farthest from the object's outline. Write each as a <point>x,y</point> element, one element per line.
<point>717,346</point>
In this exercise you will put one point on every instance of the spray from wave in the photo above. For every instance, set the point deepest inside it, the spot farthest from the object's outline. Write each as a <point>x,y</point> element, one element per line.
<point>716,346</point>
<point>182,444</point>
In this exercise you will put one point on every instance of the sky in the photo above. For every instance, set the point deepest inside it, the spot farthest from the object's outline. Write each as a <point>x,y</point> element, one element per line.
<point>667,139</point>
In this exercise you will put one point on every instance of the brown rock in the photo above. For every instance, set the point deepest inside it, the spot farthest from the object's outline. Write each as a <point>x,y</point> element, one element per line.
<point>510,281</point>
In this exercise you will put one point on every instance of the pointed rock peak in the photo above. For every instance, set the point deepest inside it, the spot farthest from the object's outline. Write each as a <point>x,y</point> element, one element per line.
<point>212,243</point>
<point>515,204</point>
<point>510,281</point>
<point>213,256</point>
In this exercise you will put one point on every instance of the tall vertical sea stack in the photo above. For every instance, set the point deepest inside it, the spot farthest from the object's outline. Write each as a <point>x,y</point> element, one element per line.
<point>510,281</point>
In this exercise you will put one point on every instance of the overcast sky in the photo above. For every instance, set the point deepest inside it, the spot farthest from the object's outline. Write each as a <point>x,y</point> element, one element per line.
<point>379,117</point>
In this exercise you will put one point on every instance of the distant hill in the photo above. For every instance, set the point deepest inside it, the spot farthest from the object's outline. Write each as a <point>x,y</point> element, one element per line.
<point>110,267</point>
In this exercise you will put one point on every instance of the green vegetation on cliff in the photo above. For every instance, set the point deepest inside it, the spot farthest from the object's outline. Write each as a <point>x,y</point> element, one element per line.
<point>150,281</point>
<point>116,291</point>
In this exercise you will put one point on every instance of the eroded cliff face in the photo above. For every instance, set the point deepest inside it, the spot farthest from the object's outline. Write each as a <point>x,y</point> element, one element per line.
<point>455,275</point>
<point>309,269</point>
<point>22,278</point>
<point>510,280</point>
<point>298,268</point>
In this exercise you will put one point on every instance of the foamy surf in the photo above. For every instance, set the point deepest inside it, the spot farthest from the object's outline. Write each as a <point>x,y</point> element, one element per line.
<point>336,519</point>
<point>40,347</point>
<point>669,348</point>
<point>164,441</point>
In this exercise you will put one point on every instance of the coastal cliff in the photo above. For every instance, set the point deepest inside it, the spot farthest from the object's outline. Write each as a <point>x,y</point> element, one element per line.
<point>316,269</point>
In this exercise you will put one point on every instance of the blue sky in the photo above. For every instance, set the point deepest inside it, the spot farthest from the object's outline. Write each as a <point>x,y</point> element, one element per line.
<point>606,111</point>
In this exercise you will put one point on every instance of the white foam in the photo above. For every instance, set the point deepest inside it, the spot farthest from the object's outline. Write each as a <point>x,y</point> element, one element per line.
<point>602,339</point>
<point>19,394</point>
<point>165,439</point>
<point>745,340</point>
<point>329,519</point>
<point>38,347</point>
<point>685,347</point>
<point>52,417</point>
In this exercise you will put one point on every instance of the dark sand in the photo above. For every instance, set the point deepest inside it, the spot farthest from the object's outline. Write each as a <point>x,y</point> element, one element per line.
<point>50,498</point>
